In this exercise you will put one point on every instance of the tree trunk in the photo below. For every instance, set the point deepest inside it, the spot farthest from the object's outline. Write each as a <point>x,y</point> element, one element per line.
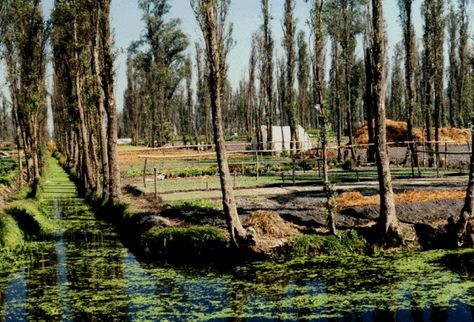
<point>461,236</point>
<point>409,44</point>
<point>109,100</point>
<point>101,112</point>
<point>387,222</point>
<point>206,15</point>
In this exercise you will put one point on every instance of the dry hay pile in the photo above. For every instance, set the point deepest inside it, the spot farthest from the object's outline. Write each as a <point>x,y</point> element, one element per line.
<point>269,224</point>
<point>454,134</point>
<point>355,198</point>
<point>397,132</point>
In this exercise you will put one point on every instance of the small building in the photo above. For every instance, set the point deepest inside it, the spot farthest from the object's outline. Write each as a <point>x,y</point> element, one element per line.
<point>282,137</point>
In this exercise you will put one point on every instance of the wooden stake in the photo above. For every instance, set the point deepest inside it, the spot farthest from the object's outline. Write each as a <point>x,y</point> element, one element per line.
<point>156,179</point>
<point>144,173</point>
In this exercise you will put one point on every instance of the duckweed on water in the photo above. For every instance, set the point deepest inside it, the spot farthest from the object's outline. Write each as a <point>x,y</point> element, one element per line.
<point>87,274</point>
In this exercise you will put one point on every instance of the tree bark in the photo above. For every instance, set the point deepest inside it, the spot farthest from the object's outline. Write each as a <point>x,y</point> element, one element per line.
<point>109,102</point>
<point>387,222</point>
<point>467,210</point>
<point>409,44</point>
<point>206,13</point>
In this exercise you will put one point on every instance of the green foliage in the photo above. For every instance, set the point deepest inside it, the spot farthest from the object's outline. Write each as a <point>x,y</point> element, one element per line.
<point>11,235</point>
<point>21,193</point>
<point>8,170</point>
<point>31,219</point>
<point>346,243</point>
<point>184,243</point>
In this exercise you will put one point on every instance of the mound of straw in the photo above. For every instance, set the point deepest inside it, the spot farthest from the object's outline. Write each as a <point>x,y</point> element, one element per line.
<point>355,198</point>
<point>269,224</point>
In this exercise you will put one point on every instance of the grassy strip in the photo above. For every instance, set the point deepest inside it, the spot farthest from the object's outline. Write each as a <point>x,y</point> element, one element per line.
<point>31,219</point>
<point>11,236</point>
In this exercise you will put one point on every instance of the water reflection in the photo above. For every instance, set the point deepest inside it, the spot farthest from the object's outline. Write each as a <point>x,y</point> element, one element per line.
<point>87,274</point>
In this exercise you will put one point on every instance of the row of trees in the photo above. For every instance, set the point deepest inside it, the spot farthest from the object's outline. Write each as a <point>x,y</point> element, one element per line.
<point>280,91</point>
<point>83,103</point>
<point>388,225</point>
<point>23,37</point>
<point>206,13</point>
<point>82,99</point>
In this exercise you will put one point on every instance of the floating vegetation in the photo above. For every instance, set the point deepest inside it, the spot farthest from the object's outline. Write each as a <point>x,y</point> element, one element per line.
<point>87,274</point>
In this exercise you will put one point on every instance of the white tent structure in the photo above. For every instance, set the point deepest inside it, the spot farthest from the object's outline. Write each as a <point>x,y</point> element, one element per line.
<point>282,137</point>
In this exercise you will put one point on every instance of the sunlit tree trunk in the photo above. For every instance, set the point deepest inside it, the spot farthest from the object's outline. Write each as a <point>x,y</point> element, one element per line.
<point>109,102</point>
<point>206,14</point>
<point>388,222</point>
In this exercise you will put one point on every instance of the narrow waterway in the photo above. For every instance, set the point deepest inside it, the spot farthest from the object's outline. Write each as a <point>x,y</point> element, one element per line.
<point>86,274</point>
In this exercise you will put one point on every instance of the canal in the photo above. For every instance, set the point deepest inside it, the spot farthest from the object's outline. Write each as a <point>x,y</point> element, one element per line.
<point>86,274</point>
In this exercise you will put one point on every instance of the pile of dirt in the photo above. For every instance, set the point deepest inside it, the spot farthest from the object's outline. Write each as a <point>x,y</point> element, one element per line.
<point>355,198</point>
<point>397,132</point>
<point>269,224</point>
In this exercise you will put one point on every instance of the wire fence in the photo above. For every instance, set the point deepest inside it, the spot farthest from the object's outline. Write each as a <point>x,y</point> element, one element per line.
<point>245,160</point>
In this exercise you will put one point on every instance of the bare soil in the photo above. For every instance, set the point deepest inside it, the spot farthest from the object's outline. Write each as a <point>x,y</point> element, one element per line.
<point>429,205</point>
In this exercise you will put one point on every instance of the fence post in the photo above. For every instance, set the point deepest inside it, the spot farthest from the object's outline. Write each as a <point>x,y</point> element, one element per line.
<point>155,180</point>
<point>294,179</point>
<point>446,155</point>
<point>256,163</point>
<point>235,176</point>
<point>144,173</point>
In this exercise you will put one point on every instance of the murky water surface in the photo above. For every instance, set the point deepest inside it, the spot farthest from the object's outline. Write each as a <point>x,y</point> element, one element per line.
<point>87,274</point>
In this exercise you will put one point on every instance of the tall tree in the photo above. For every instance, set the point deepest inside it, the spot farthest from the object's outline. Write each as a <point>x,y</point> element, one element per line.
<point>453,65</point>
<point>303,79</point>
<point>109,100</point>
<point>345,21</point>
<point>396,98</point>
<point>433,14</point>
<point>215,32</point>
<point>409,45</point>
<point>267,77</point>
<point>23,36</point>
<point>368,95</point>
<point>289,44</point>
<point>463,84</point>
<point>388,222</point>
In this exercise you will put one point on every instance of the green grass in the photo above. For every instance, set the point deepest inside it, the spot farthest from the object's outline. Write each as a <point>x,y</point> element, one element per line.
<point>11,236</point>
<point>347,243</point>
<point>275,179</point>
<point>31,219</point>
<point>8,170</point>
<point>205,205</point>
<point>185,243</point>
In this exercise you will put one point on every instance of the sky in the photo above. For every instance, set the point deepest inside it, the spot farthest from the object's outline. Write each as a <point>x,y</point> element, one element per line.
<point>244,14</point>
